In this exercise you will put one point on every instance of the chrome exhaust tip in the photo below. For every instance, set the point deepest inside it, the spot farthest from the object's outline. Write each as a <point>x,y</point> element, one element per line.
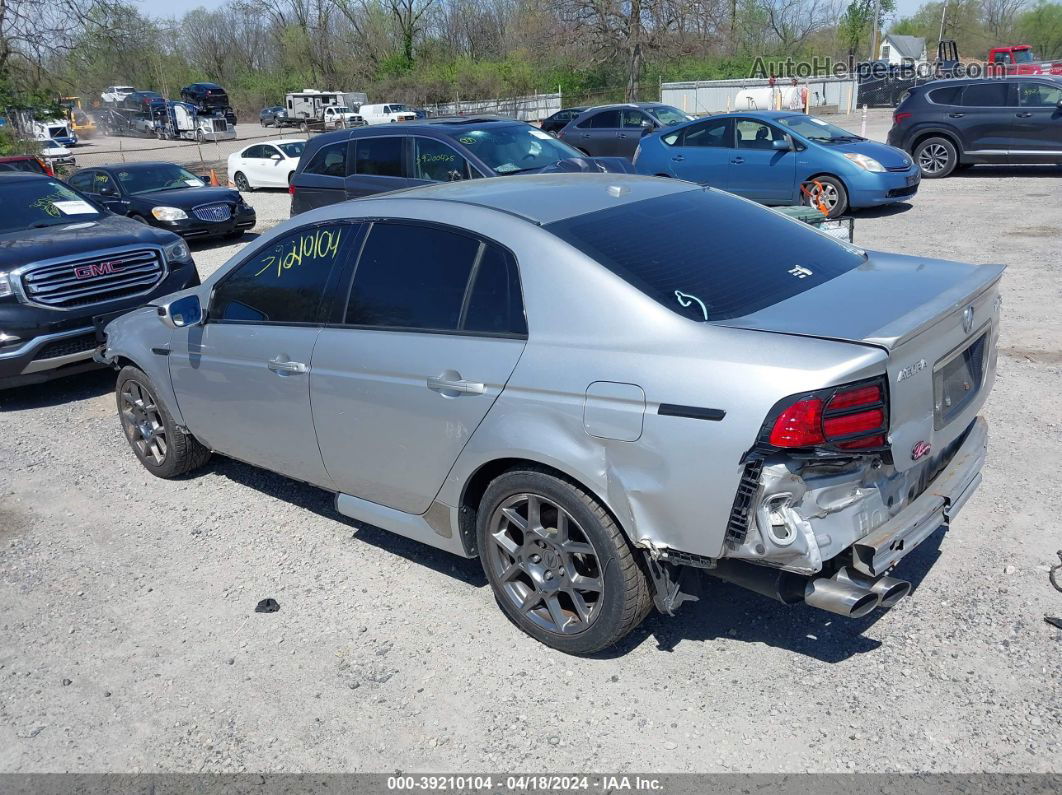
<point>840,596</point>
<point>890,590</point>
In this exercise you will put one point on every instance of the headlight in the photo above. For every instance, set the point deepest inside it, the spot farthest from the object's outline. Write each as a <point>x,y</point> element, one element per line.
<point>869,163</point>
<point>169,213</point>
<point>5,286</point>
<point>177,251</point>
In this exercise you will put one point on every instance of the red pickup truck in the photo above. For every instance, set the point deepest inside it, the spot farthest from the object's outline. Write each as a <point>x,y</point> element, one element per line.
<point>1020,60</point>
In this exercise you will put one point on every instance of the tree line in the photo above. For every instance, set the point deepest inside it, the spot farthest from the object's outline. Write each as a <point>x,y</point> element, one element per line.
<point>427,51</point>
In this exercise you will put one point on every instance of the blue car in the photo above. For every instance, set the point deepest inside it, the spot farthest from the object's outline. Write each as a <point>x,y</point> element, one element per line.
<point>781,157</point>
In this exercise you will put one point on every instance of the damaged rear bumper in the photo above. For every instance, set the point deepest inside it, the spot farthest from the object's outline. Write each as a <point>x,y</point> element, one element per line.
<point>936,506</point>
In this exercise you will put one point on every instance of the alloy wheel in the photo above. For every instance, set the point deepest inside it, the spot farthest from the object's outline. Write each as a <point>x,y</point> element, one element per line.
<point>142,422</point>
<point>544,564</point>
<point>242,184</point>
<point>933,158</point>
<point>823,194</point>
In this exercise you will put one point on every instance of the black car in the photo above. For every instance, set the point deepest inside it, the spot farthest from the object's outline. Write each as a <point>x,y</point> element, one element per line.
<point>949,124</point>
<point>616,130</point>
<point>209,98</point>
<point>348,164</point>
<point>268,116</point>
<point>143,101</point>
<point>68,265</point>
<point>169,197</point>
<point>555,123</point>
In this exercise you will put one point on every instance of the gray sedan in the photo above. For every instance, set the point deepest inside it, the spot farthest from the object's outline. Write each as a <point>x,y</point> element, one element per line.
<point>597,384</point>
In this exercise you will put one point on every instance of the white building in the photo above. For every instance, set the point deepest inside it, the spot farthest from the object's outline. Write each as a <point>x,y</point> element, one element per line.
<point>896,48</point>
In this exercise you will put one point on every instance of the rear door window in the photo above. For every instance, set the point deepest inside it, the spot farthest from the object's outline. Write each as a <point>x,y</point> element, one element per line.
<point>412,276</point>
<point>380,157</point>
<point>707,255</point>
<point>708,133</point>
<point>606,119</point>
<point>494,304</point>
<point>986,95</point>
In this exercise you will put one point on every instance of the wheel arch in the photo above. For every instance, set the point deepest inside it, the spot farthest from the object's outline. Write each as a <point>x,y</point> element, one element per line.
<point>476,484</point>
<point>933,132</point>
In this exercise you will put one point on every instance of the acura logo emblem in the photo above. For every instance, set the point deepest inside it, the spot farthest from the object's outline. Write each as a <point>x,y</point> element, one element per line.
<point>967,319</point>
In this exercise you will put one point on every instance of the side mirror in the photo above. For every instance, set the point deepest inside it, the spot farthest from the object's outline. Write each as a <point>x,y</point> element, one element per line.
<point>106,190</point>
<point>182,312</point>
<point>276,157</point>
<point>1059,104</point>
<point>781,144</point>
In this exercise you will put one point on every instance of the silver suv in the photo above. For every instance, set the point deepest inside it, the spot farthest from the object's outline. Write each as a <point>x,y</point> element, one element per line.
<point>596,384</point>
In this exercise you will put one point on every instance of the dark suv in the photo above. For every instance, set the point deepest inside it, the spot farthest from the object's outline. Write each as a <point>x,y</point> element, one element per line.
<point>349,164</point>
<point>949,124</point>
<point>66,267</point>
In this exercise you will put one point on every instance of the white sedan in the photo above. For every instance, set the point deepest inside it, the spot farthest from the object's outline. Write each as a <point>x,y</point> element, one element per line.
<point>265,165</point>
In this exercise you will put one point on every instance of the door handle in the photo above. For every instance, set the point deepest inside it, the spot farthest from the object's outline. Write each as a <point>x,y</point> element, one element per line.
<point>458,386</point>
<point>738,160</point>
<point>284,367</point>
<point>679,158</point>
<point>956,115</point>
<point>1023,115</point>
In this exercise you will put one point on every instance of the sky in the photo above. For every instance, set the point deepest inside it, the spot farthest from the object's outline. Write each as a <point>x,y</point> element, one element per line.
<point>175,8</point>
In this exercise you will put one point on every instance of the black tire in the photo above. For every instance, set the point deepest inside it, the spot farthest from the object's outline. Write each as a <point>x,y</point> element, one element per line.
<point>936,157</point>
<point>199,136</point>
<point>838,196</point>
<point>619,603</point>
<point>241,183</point>
<point>164,449</point>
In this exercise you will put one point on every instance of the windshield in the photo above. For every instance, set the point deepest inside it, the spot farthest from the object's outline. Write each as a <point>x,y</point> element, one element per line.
<point>818,130</point>
<point>164,176</point>
<point>37,203</point>
<point>514,148</point>
<point>707,255</point>
<point>668,115</point>
<point>50,144</point>
<point>1023,56</point>
<point>397,109</point>
<point>341,109</point>
<point>293,149</point>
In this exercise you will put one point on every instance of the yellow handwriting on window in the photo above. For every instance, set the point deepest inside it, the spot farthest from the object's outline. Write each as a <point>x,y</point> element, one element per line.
<point>311,247</point>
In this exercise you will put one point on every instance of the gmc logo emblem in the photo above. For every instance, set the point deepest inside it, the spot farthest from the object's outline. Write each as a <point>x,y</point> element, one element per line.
<point>97,269</point>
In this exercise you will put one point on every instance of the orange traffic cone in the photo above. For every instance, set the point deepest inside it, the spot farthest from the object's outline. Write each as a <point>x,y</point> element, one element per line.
<point>214,178</point>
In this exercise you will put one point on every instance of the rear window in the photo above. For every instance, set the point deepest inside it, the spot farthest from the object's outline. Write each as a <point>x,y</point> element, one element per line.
<point>707,255</point>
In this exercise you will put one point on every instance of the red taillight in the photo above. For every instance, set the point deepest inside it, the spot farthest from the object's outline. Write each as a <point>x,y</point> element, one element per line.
<point>800,425</point>
<point>291,188</point>
<point>852,418</point>
<point>900,117</point>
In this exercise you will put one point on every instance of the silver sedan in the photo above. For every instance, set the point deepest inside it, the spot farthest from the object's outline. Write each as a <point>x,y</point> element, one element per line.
<point>597,384</point>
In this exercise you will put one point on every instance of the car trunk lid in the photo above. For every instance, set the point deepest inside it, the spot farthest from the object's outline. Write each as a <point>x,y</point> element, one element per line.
<point>937,319</point>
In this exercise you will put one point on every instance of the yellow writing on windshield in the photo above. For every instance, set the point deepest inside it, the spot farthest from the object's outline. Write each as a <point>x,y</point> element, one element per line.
<point>311,247</point>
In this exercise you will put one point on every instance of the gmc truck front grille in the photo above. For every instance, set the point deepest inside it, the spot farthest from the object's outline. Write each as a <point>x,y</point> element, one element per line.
<point>93,280</point>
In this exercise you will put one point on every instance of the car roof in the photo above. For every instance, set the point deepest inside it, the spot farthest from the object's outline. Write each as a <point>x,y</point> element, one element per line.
<point>133,166</point>
<point>275,141</point>
<point>15,158</point>
<point>966,81</point>
<point>545,198</point>
<point>15,176</point>
<point>420,125</point>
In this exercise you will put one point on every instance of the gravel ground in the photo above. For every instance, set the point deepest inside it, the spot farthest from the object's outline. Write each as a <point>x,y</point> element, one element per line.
<point>129,642</point>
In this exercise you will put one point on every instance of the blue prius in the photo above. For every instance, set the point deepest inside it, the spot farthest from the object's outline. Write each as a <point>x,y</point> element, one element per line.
<point>780,157</point>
